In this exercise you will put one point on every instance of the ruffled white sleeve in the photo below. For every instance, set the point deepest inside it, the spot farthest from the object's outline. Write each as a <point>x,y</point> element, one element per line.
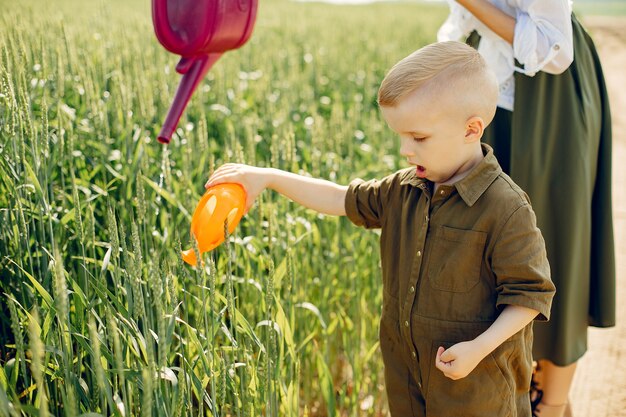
<point>543,36</point>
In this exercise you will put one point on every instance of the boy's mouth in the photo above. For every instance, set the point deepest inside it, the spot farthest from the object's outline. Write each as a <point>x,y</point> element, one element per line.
<point>420,171</point>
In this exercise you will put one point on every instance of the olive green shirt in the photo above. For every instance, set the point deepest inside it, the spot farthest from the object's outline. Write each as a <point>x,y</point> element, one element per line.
<point>450,263</point>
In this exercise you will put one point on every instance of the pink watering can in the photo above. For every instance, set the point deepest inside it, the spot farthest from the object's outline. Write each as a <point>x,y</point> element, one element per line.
<point>200,31</point>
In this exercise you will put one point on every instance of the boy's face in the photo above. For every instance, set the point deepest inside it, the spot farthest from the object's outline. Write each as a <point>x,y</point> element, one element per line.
<point>438,139</point>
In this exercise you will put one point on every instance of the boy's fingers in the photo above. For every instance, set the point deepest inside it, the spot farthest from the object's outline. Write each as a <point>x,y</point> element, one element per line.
<point>443,362</point>
<point>443,367</point>
<point>216,178</point>
<point>211,182</point>
<point>447,356</point>
<point>444,355</point>
<point>223,174</point>
<point>440,350</point>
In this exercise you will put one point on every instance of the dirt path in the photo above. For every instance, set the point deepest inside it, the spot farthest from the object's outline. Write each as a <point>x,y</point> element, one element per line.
<point>600,384</point>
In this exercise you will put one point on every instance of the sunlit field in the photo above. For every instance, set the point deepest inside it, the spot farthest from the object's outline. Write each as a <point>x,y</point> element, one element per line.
<point>98,314</point>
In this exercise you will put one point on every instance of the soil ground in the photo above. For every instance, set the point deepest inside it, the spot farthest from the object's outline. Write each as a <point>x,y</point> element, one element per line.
<point>599,388</point>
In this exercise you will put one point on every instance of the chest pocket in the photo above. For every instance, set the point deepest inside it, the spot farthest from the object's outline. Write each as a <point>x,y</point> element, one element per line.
<point>455,259</point>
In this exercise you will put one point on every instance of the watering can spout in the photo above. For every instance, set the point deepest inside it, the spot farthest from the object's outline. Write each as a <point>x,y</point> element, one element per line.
<point>189,256</point>
<point>193,70</point>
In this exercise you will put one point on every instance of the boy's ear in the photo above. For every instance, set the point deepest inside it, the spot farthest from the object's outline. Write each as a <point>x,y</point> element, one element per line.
<point>474,128</point>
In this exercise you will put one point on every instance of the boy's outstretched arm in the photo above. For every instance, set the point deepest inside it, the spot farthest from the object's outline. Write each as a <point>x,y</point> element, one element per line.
<point>459,360</point>
<point>317,194</point>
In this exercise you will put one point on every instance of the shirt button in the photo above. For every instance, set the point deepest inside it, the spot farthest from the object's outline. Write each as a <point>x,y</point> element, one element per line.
<point>419,253</point>
<point>406,324</point>
<point>426,219</point>
<point>412,289</point>
<point>414,355</point>
<point>442,192</point>
<point>557,47</point>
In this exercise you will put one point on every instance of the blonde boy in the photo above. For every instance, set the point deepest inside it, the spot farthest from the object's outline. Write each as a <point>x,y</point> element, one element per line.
<point>464,265</point>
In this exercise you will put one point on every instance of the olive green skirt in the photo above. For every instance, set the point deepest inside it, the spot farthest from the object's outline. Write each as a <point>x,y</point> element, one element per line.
<point>556,145</point>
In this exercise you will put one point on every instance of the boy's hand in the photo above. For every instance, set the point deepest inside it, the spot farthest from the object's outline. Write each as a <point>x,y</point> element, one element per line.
<point>253,179</point>
<point>459,360</point>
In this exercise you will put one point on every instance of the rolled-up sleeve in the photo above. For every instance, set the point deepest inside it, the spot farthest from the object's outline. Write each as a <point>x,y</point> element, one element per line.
<point>366,200</point>
<point>543,39</point>
<point>520,264</point>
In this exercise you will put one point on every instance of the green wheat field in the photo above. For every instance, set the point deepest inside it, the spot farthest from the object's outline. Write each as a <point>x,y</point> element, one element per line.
<point>98,314</point>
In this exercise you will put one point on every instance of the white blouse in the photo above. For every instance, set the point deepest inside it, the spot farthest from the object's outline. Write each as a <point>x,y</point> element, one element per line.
<point>542,41</point>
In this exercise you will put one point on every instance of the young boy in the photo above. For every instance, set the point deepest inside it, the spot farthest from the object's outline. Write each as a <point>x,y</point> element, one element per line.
<point>464,265</point>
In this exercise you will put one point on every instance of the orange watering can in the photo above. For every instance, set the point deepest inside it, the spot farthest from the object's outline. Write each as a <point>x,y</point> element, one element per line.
<point>200,31</point>
<point>220,203</point>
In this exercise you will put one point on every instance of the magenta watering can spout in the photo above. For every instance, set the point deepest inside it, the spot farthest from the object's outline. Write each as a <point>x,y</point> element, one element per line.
<point>193,71</point>
<point>200,31</point>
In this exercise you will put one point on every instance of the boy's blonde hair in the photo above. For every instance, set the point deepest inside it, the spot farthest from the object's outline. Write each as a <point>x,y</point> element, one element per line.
<point>444,66</point>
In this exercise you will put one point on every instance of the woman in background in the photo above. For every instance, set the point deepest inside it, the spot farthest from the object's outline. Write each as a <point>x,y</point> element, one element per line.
<point>552,135</point>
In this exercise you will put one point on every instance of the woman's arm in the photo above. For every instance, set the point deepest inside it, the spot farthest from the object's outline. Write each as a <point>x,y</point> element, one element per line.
<point>540,32</point>
<point>495,19</point>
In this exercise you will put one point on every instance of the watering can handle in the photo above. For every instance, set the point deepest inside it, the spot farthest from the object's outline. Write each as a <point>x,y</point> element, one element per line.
<point>166,35</point>
<point>159,15</point>
<point>193,70</point>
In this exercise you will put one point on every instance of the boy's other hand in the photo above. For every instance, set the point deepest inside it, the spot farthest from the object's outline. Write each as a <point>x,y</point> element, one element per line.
<point>458,360</point>
<point>253,179</point>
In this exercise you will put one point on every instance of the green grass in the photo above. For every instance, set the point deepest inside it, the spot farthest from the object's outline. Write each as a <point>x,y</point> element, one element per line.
<point>98,313</point>
<point>600,8</point>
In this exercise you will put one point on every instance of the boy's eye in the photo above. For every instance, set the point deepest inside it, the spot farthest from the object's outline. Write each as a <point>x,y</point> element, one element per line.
<point>418,139</point>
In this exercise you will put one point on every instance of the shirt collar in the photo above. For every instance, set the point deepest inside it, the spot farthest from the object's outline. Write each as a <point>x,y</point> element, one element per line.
<point>410,178</point>
<point>480,177</point>
<point>473,185</point>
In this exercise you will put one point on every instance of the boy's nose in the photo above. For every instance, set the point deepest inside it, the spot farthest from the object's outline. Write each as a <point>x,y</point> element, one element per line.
<point>405,151</point>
